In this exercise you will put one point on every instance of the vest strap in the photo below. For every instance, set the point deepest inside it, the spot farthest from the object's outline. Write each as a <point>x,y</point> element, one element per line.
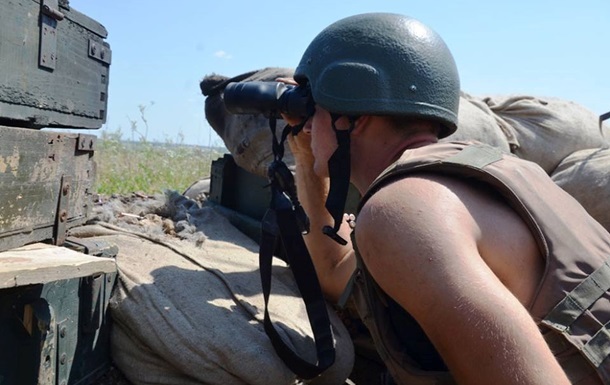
<point>579,300</point>
<point>475,155</point>
<point>597,348</point>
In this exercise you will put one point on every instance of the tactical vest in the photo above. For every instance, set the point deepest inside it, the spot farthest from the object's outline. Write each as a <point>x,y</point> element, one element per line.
<point>572,303</point>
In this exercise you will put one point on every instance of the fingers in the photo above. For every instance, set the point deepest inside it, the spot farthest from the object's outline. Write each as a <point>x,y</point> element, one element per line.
<point>300,145</point>
<point>287,81</point>
<point>291,120</point>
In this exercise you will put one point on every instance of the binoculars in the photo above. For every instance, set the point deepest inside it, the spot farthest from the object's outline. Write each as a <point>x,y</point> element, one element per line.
<point>268,98</point>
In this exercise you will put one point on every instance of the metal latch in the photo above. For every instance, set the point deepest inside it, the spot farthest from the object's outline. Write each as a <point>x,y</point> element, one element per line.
<point>51,11</point>
<point>49,16</point>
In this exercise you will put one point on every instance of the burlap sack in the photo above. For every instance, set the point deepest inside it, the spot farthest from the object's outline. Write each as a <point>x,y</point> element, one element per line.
<point>247,137</point>
<point>192,314</point>
<point>585,175</point>
<point>477,122</point>
<point>546,130</point>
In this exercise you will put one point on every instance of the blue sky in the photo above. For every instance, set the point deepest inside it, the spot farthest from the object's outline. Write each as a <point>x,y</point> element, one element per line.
<point>161,50</point>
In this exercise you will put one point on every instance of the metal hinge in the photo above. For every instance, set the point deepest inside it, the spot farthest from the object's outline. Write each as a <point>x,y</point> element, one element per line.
<point>49,16</point>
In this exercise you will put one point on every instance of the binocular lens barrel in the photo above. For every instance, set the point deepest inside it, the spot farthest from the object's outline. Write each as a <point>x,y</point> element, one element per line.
<point>253,97</point>
<point>267,98</point>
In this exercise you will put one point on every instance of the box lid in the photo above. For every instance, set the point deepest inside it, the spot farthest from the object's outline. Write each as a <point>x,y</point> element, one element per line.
<point>41,263</point>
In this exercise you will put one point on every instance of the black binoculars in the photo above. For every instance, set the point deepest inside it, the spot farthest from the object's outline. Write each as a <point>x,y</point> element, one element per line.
<point>268,98</point>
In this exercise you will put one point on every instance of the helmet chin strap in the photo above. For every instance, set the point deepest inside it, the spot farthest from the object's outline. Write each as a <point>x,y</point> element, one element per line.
<point>339,173</point>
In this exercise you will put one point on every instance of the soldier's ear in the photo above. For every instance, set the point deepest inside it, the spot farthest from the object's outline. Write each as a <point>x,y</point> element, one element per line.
<point>361,124</point>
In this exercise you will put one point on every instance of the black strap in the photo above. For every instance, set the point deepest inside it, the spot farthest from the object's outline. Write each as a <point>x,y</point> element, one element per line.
<point>339,173</point>
<point>285,221</point>
<point>280,224</point>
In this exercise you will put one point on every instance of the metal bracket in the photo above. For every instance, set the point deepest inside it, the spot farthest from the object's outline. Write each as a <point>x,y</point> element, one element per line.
<point>605,116</point>
<point>92,246</point>
<point>61,218</point>
<point>85,143</point>
<point>92,312</point>
<point>49,16</point>
<point>64,359</point>
<point>100,51</point>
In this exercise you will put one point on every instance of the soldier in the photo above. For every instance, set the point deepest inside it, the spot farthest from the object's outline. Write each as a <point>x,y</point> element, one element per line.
<point>467,265</point>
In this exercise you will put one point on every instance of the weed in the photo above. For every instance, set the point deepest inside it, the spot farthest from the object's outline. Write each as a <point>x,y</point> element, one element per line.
<point>125,166</point>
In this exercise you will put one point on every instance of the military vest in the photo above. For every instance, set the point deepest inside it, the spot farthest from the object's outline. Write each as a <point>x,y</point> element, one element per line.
<point>572,303</point>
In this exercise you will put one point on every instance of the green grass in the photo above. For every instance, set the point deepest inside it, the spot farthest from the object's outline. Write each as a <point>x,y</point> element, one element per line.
<point>125,167</point>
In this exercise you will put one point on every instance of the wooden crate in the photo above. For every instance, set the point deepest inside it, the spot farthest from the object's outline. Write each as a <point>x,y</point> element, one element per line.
<point>54,327</point>
<point>53,66</point>
<point>46,182</point>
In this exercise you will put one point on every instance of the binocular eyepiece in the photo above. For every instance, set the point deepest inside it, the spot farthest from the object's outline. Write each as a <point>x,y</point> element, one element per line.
<point>268,98</point>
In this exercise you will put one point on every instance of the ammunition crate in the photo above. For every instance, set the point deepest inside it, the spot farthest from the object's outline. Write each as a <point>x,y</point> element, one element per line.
<point>54,66</point>
<point>243,197</point>
<point>53,324</point>
<point>46,181</point>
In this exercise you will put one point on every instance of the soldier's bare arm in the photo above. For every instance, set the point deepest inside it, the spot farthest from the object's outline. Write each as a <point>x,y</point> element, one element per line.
<point>428,258</point>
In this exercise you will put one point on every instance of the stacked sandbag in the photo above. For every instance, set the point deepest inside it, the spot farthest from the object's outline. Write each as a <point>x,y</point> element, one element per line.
<point>566,139</point>
<point>548,131</point>
<point>477,122</point>
<point>189,310</point>
<point>585,175</point>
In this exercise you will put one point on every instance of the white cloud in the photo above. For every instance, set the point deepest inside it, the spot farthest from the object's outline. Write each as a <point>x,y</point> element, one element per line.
<point>222,55</point>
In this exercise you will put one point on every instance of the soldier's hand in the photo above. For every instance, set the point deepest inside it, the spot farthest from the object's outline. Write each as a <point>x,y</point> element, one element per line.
<point>300,144</point>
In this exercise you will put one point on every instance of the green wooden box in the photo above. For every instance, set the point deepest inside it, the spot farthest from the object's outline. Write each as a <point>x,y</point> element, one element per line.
<point>54,65</point>
<point>243,198</point>
<point>54,328</point>
<point>46,182</point>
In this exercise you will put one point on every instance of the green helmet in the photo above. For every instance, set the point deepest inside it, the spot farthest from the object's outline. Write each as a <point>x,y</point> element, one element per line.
<point>382,64</point>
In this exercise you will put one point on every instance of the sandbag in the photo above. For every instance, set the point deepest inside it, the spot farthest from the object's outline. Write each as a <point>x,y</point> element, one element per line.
<point>247,137</point>
<point>476,122</point>
<point>191,312</point>
<point>546,130</point>
<point>585,175</point>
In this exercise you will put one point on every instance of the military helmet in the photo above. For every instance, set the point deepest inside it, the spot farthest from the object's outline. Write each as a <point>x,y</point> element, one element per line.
<point>382,64</point>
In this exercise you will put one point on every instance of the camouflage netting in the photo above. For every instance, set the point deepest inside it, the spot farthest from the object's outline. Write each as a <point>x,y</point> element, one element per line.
<point>188,307</point>
<point>567,140</point>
